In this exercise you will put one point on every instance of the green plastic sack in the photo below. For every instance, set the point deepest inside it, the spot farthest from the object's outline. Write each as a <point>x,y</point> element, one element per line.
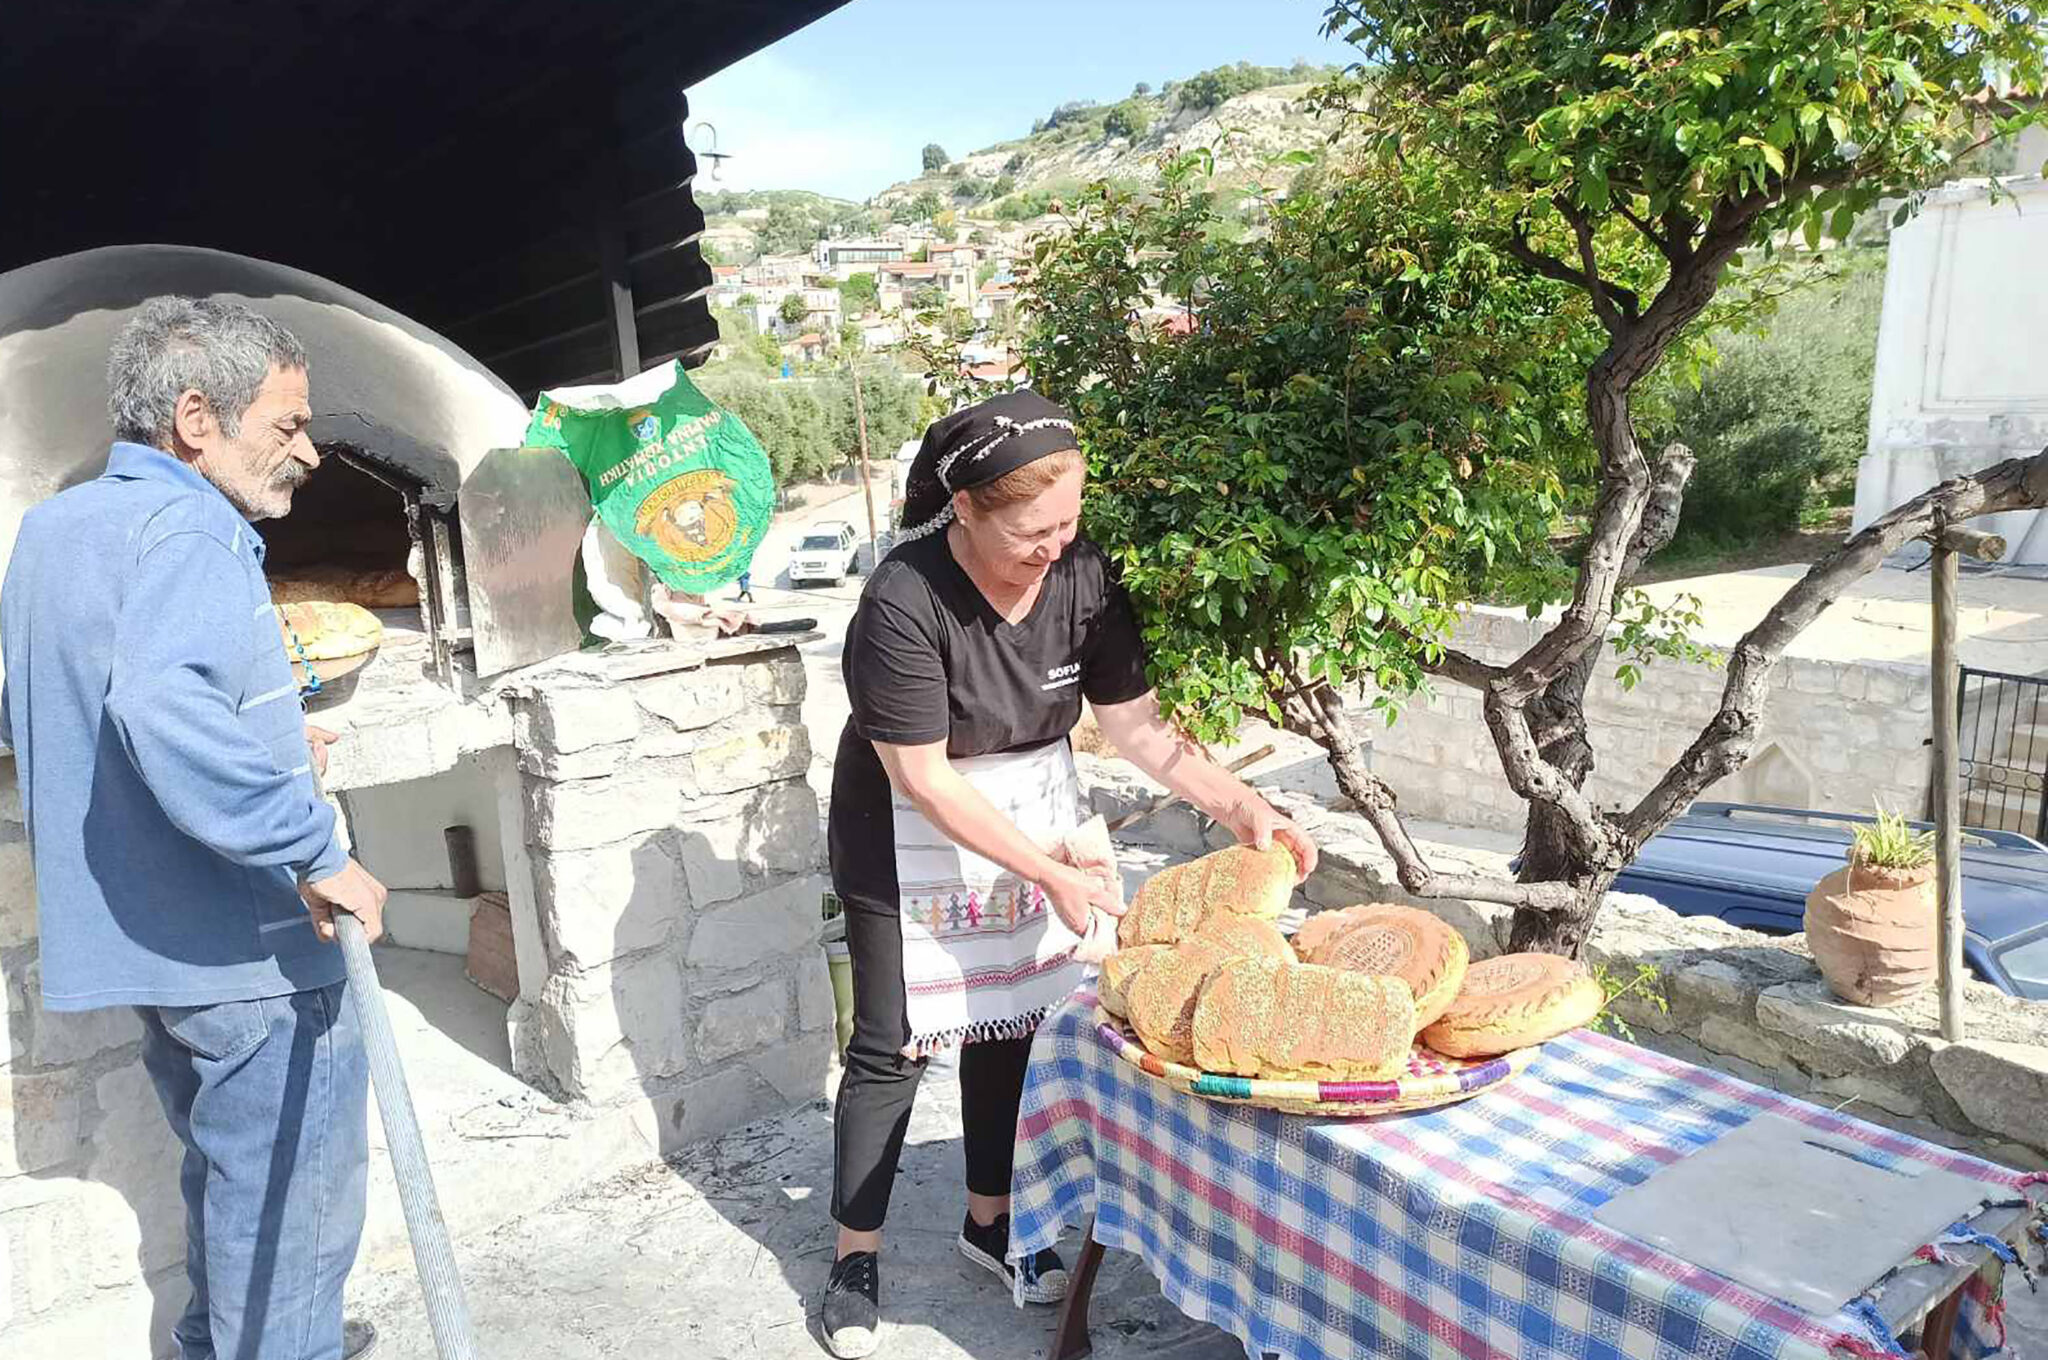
<point>683,484</point>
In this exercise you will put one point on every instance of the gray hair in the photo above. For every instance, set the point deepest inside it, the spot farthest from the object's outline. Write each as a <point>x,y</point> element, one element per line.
<point>174,345</point>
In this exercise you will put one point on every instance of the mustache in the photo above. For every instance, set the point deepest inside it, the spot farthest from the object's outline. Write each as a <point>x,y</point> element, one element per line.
<point>293,473</point>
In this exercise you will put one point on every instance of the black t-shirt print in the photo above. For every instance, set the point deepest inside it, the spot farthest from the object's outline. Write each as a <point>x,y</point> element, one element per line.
<point>928,659</point>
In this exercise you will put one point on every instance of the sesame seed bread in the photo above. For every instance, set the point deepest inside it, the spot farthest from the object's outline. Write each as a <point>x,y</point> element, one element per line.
<point>1239,881</point>
<point>1287,1021</point>
<point>1121,969</point>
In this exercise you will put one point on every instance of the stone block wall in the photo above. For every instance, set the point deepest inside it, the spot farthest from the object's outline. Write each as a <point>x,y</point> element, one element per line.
<point>674,853</point>
<point>1843,736</point>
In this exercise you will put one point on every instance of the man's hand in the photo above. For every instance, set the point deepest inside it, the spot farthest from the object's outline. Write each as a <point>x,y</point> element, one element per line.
<point>352,890</point>
<point>318,739</point>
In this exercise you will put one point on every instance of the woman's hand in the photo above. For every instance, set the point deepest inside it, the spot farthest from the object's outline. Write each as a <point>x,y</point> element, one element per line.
<point>1255,822</point>
<point>1077,894</point>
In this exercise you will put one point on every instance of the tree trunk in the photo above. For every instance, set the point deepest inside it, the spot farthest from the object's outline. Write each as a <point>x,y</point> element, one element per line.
<point>1559,718</point>
<point>1561,932</point>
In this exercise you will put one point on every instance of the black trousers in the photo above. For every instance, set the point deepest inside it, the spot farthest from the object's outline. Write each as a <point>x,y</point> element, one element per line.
<point>880,1084</point>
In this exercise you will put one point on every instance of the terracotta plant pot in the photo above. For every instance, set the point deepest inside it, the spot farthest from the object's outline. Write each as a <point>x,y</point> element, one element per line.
<point>1872,931</point>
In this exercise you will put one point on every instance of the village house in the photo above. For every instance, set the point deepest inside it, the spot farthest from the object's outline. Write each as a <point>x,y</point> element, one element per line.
<point>844,259</point>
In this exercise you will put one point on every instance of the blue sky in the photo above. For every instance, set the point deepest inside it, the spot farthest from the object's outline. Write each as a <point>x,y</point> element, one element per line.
<point>845,106</point>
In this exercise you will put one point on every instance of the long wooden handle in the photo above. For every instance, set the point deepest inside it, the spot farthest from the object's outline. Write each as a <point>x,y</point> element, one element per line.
<point>1165,801</point>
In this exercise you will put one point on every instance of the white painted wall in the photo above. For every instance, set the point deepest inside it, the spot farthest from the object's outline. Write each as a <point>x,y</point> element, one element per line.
<point>1961,381</point>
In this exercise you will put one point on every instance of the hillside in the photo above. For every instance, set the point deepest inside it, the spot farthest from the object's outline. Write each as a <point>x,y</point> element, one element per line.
<point>1244,114</point>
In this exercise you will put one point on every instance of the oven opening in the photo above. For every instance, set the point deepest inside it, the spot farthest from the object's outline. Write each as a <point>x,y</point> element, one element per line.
<point>346,539</point>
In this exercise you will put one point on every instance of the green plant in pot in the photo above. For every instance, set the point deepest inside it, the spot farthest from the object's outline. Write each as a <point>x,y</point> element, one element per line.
<point>1871,923</point>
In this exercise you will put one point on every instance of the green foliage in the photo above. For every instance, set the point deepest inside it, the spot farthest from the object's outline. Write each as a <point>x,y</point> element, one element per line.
<point>935,337</point>
<point>1140,90</point>
<point>1890,842</point>
<point>793,311</point>
<point>1779,420</point>
<point>806,425</point>
<point>1014,164</point>
<point>1643,984</point>
<point>1373,424</point>
<point>969,189</point>
<point>1646,631</point>
<point>1005,184</point>
<point>1212,87</point>
<point>935,158</point>
<point>858,294</point>
<point>1129,119</point>
<point>926,206</point>
<point>1746,118</point>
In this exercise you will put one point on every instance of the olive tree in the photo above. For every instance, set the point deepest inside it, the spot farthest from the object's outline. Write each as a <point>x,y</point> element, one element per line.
<point>1586,183</point>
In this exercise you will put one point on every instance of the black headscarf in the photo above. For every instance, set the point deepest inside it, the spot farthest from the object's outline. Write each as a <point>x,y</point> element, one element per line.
<point>975,446</point>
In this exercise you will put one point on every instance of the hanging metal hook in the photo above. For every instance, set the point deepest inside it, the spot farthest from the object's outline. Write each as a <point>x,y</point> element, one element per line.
<point>714,155</point>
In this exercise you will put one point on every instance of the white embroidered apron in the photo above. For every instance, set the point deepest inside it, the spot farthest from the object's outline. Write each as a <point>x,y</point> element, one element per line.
<point>984,954</point>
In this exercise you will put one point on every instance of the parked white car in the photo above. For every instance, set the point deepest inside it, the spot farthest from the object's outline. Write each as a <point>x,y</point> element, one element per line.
<point>829,552</point>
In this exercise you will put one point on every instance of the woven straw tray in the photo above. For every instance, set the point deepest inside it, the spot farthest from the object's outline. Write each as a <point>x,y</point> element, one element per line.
<point>1431,1079</point>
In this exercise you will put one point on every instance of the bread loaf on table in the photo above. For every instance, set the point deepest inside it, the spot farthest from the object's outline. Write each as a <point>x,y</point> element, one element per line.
<point>1120,970</point>
<point>1162,997</point>
<point>1512,1002</point>
<point>1302,1021</point>
<point>1238,881</point>
<point>1402,942</point>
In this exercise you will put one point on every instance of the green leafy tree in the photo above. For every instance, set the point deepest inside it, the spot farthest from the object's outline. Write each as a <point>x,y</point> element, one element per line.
<point>1583,192</point>
<point>793,310</point>
<point>1005,185</point>
<point>1015,164</point>
<point>1648,156</point>
<point>1140,90</point>
<point>1129,119</point>
<point>1373,423</point>
<point>935,158</point>
<point>858,294</point>
<point>926,206</point>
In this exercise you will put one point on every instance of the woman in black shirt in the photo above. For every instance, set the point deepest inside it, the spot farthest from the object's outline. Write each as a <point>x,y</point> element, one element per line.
<point>966,664</point>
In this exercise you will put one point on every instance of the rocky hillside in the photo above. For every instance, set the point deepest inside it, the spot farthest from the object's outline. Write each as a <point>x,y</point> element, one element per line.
<point>1122,141</point>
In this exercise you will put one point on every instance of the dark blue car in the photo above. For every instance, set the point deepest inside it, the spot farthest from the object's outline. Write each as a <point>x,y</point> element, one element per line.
<point>1752,866</point>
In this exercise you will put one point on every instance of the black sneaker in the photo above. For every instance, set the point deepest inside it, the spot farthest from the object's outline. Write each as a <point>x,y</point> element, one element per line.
<point>851,1317</point>
<point>1044,1274</point>
<point>358,1340</point>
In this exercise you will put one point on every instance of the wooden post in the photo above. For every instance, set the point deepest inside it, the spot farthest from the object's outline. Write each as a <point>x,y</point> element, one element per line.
<point>1949,544</point>
<point>1948,812</point>
<point>867,486</point>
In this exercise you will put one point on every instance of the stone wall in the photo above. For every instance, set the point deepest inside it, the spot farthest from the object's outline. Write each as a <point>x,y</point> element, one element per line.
<point>1843,736</point>
<point>1747,1004</point>
<point>675,859</point>
<point>662,858</point>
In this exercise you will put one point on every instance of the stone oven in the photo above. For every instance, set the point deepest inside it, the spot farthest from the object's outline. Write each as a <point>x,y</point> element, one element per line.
<point>641,824</point>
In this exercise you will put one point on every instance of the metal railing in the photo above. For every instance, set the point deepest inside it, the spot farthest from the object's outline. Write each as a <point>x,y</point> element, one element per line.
<point>2002,757</point>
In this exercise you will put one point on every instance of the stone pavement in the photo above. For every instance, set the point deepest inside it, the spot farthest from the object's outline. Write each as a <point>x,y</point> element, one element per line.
<point>722,1253</point>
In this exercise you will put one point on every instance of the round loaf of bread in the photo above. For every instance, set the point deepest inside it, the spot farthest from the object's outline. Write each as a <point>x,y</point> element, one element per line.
<point>1120,970</point>
<point>1512,1002</point>
<point>326,631</point>
<point>1392,941</point>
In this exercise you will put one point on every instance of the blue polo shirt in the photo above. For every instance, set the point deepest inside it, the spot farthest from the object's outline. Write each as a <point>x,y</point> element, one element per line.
<point>160,748</point>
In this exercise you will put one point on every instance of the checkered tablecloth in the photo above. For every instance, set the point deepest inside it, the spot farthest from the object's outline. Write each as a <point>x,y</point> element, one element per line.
<point>1452,1234</point>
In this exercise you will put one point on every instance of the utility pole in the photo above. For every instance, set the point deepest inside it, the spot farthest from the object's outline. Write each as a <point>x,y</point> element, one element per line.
<point>867,485</point>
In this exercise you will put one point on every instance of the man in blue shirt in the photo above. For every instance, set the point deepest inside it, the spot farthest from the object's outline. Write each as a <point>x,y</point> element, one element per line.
<point>185,863</point>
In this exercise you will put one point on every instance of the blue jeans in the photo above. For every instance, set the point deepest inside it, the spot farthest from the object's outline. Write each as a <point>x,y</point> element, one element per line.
<point>271,1100</point>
